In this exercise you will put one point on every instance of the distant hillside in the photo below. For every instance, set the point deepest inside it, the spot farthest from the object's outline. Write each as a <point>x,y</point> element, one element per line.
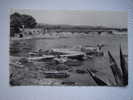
<point>78,28</point>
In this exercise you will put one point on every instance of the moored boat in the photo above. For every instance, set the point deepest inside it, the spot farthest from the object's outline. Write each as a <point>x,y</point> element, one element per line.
<point>56,74</point>
<point>44,57</point>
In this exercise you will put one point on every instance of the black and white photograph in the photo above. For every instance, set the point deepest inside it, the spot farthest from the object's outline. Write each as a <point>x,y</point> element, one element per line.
<point>68,48</point>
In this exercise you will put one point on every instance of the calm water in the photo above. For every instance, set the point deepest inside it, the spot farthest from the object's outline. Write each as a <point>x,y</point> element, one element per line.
<point>112,42</point>
<point>101,64</point>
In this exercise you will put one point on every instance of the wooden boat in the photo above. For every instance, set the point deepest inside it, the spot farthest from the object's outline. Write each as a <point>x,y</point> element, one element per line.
<point>60,52</point>
<point>73,62</point>
<point>92,50</point>
<point>73,54</point>
<point>44,57</point>
<point>68,83</point>
<point>56,74</point>
<point>66,51</point>
<point>80,71</point>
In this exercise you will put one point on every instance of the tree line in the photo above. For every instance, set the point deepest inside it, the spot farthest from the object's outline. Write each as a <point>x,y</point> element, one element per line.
<point>19,21</point>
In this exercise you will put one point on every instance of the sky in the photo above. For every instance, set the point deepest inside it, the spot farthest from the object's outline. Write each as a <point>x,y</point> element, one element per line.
<point>117,19</point>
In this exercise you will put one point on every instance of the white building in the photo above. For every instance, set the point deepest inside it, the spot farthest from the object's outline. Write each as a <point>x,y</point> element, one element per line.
<point>33,32</point>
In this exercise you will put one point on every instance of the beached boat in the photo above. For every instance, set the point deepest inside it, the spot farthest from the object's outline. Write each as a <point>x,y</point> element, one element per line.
<point>43,57</point>
<point>92,50</point>
<point>68,83</point>
<point>68,53</point>
<point>62,54</point>
<point>56,74</point>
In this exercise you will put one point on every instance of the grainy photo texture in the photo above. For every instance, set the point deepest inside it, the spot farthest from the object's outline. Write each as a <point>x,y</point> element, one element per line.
<point>68,48</point>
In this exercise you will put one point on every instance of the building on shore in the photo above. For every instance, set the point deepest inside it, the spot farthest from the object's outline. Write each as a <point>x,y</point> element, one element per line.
<point>33,32</point>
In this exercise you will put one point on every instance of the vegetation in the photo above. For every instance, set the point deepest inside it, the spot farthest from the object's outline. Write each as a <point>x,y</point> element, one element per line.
<point>77,28</point>
<point>19,21</point>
